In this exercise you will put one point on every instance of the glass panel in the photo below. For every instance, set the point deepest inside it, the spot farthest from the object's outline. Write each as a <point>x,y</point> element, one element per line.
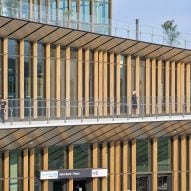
<point>38,167</point>
<point>143,162</point>
<point>25,9</point>
<point>10,8</point>
<point>164,183</point>
<point>164,154</point>
<point>16,170</point>
<point>81,156</point>
<point>56,158</point>
<point>53,7</point>
<point>143,183</point>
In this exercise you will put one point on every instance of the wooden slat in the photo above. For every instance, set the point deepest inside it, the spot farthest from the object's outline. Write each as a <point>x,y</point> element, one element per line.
<point>87,52</point>
<point>118,84</point>
<point>6,171</point>
<point>67,81</point>
<point>175,164</point>
<point>153,86</point>
<point>45,167</point>
<point>148,85</point>
<point>167,84</point>
<point>31,172</point>
<point>105,65</point>
<point>129,92</point>
<point>117,166</point>
<point>111,70</point>
<point>70,165</point>
<point>96,85</point>
<point>183,163</point>
<point>100,79</point>
<point>133,164</point>
<point>173,86</point>
<point>95,165</point>
<point>188,88</point>
<point>26,170</point>
<point>154,164</point>
<point>112,167</point>
<point>104,164</point>
<point>159,84</point>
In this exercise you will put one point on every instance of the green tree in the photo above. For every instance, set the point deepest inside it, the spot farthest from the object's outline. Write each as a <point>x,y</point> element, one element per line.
<point>170,32</point>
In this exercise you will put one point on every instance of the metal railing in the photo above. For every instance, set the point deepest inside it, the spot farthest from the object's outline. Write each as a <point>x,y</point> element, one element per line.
<point>69,19</point>
<point>93,109</point>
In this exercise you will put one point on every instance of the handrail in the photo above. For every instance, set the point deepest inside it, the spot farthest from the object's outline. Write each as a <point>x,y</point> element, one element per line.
<point>58,109</point>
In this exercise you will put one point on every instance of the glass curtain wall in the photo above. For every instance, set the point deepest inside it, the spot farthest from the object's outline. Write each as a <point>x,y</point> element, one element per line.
<point>16,171</point>
<point>13,76</point>
<point>1,68</point>
<point>53,11</point>
<point>25,8</point>
<point>41,79</point>
<point>53,80</point>
<point>81,157</point>
<point>10,8</point>
<point>74,82</point>
<point>62,78</point>
<point>101,16</point>
<point>28,75</point>
<point>123,83</point>
<point>164,154</point>
<point>63,11</point>
<point>38,166</point>
<point>85,18</point>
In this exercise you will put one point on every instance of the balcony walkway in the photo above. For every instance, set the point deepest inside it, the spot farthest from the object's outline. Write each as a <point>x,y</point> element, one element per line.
<point>39,134</point>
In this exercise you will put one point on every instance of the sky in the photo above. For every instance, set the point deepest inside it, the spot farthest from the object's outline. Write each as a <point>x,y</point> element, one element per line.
<point>154,12</point>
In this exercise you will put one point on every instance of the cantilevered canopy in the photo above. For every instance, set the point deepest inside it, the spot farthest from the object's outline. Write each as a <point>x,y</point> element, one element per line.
<point>44,33</point>
<point>49,135</point>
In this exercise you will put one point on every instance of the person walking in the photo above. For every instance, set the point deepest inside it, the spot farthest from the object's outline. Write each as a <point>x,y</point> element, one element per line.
<point>134,104</point>
<point>3,109</point>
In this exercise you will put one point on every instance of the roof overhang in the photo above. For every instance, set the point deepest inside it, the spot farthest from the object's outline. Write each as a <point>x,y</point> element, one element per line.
<point>44,33</point>
<point>34,136</point>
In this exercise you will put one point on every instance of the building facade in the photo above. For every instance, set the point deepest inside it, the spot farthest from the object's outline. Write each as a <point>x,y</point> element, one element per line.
<point>68,85</point>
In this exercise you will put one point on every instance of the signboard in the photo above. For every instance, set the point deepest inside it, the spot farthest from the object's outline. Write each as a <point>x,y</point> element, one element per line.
<point>75,173</point>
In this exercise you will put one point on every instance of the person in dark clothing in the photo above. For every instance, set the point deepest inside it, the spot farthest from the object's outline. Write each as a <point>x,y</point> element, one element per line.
<point>3,109</point>
<point>134,104</point>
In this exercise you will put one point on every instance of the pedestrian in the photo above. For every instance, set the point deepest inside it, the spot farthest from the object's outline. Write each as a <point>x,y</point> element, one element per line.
<point>3,109</point>
<point>134,104</point>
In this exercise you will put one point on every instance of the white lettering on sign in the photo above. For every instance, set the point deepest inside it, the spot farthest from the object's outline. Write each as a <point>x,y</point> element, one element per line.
<point>48,175</point>
<point>99,172</point>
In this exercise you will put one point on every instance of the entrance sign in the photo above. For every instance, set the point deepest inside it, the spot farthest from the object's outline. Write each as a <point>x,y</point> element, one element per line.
<point>75,173</point>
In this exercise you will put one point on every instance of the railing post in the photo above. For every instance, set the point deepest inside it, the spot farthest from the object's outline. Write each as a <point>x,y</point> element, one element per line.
<point>30,113</point>
<point>11,116</point>
<point>127,111</point>
<point>112,112</point>
<point>81,113</point>
<point>156,108</point>
<point>142,113</point>
<point>65,113</point>
<point>98,112</point>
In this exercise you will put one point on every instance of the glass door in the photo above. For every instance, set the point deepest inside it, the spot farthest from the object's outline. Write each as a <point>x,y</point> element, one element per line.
<point>143,183</point>
<point>164,183</point>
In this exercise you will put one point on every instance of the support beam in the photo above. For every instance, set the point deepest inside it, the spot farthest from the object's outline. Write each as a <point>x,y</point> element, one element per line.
<point>118,84</point>
<point>112,167</point>
<point>137,79</point>
<point>35,104</point>
<point>105,65</point>
<point>71,166</point>
<point>175,155</point>
<point>178,87</point>
<point>95,165</point>
<point>21,78</point>
<point>111,83</point>
<point>159,84</point>
<point>173,87</point>
<point>5,71</point>
<point>87,63</point>
<point>96,90</point>
<point>188,88</point>
<point>25,170</point>
<point>129,91</point>
<point>58,114</point>
<point>80,84</point>
<point>183,163</point>
<point>154,164</point>
<point>67,110</point>
<point>125,165</point>
<point>133,164</point>
<point>167,88</point>
<point>100,79</point>
<point>31,172</point>
<point>48,80</point>
<point>153,86</point>
<point>104,164</point>
<point>6,171</point>
<point>45,167</point>
<point>117,166</point>
<point>148,85</point>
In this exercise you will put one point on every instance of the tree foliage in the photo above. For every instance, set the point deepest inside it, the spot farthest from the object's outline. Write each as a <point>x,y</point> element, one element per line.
<point>170,32</point>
